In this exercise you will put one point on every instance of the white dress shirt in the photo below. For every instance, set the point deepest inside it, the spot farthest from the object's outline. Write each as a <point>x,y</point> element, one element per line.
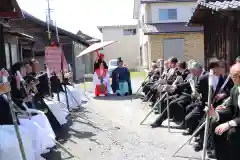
<point>215,82</point>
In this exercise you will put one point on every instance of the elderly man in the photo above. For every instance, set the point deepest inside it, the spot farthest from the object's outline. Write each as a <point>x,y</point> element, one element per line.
<point>226,137</point>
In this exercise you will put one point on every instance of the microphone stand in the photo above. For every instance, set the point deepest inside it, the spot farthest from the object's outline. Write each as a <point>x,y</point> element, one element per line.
<point>7,98</point>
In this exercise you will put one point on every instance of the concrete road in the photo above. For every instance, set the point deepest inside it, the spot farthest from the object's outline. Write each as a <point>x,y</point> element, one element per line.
<point>108,129</point>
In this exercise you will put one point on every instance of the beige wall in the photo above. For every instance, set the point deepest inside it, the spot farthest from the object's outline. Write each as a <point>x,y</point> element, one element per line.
<point>193,46</point>
<point>127,47</point>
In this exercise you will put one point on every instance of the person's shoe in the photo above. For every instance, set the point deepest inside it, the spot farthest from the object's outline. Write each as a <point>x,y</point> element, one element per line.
<point>181,126</point>
<point>197,139</point>
<point>154,125</point>
<point>156,112</point>
<point>118,94</point>
<point>187,132</point>
<point>198,147</point>
<point>211,154</point>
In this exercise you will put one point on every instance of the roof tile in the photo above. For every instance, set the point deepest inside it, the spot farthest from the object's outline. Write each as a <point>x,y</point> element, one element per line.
<point>221,5</point>
<point>166,1</point>
<point>159,28</point>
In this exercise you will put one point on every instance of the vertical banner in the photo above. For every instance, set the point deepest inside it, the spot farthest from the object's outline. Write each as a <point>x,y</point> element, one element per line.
<point>54,57</point>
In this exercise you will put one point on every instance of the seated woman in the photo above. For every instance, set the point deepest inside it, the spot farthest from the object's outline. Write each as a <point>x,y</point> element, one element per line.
<point>121,81</point>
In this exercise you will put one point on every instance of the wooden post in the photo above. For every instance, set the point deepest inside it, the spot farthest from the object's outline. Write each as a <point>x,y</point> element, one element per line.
<point>2,49</point>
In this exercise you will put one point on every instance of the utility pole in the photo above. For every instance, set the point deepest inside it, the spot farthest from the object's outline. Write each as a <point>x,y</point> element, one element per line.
<point>48,20</point>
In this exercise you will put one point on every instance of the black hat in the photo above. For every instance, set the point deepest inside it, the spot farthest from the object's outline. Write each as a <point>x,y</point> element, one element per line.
<point>119,59</point>
<point>173,60</point>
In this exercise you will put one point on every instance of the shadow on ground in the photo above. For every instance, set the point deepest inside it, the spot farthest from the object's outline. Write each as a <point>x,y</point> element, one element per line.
<point>118,98</point>
<point>65,133</point>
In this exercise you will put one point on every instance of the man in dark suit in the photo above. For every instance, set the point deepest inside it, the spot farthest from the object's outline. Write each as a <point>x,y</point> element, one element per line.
<point>227,130</point>
<point>182,93</point>
<point>195,116</point>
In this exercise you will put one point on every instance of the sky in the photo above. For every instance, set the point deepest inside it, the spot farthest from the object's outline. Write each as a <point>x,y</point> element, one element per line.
<point>84,15</point>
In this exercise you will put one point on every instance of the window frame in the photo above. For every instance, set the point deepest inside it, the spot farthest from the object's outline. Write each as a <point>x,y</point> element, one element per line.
<point>129,32</point>
<point>167,14</point>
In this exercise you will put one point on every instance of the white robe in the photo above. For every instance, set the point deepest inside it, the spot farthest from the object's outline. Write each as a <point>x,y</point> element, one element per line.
<point>106,81</point>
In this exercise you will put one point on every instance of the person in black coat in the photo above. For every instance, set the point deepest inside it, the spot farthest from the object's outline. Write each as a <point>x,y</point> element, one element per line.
<point>227,125</point>
<point>183,96</point>
<point>196,115</point>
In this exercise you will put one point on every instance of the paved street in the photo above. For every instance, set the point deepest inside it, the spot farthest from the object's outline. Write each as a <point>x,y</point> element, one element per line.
<point>108,129</point>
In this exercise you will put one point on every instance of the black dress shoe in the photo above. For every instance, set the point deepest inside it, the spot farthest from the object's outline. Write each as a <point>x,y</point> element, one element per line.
<point>154,125</point>
<point>198,147</point>
<point>187,132</point>
<point>211,154</point>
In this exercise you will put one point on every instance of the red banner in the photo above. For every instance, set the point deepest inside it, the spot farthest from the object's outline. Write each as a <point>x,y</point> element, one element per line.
<point>53,57</point>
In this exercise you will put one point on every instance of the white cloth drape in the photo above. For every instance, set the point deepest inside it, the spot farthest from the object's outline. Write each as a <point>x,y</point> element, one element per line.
<point>60,111</point>
<point>9,146</point>
<point>36,133</point>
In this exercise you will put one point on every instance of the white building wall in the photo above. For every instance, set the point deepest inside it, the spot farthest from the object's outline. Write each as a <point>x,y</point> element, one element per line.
<point>143,18</point>
<point>184,11</point>
<point>127,47</point>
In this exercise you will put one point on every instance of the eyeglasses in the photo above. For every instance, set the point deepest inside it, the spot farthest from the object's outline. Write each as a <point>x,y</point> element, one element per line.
<point>235,76</point>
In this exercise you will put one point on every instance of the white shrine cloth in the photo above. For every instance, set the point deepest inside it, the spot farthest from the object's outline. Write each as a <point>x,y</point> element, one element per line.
<point>9,146</point>
<point>59,110</point>
<point>41,130</point>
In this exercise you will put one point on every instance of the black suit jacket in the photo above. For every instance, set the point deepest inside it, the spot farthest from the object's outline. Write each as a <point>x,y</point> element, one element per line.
<point>202,88</point>
<point>231,112</point>
<point>185,74</point>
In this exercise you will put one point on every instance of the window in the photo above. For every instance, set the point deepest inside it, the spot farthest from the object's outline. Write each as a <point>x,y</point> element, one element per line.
<point>129,32</point>
<point>167,14</point>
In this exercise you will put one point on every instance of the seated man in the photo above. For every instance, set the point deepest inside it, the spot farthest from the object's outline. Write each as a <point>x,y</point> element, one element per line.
<point>182,96</point>
<point>227,131</point>
<point>153,77</point>
<point>121,74</point>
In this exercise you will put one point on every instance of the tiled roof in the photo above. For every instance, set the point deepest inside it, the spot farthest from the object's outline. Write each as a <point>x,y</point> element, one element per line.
<point>216,5</point>
<point>220,5</point>
<point>165,1</point>
<point>160,28</point>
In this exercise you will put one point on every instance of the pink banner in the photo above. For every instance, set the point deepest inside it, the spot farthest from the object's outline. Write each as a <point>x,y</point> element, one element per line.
<point>53,57</point>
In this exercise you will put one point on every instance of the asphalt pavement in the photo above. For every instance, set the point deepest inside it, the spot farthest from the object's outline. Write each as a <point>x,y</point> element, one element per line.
<point>108,128</point>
